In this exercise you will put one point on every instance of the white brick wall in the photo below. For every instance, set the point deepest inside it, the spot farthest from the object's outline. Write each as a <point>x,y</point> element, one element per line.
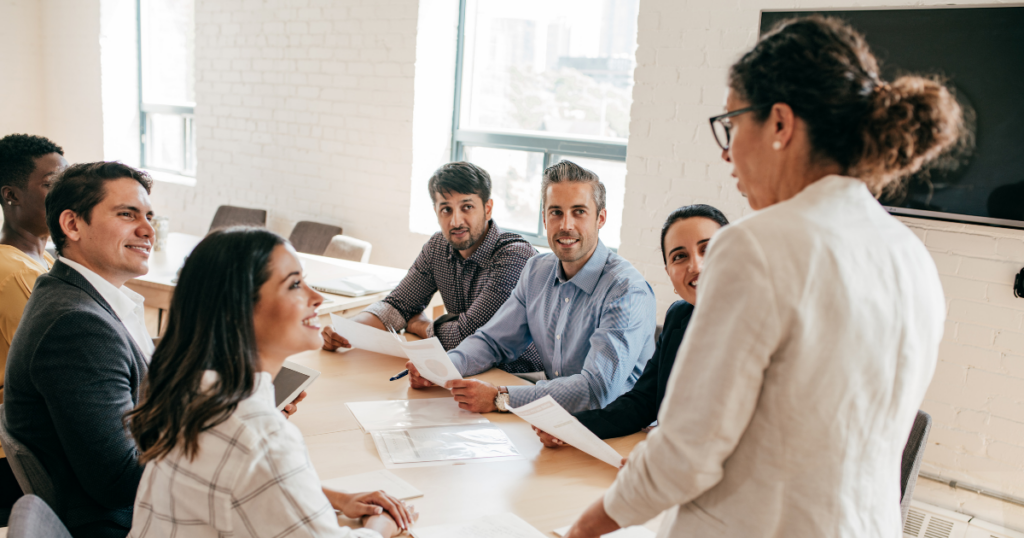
<point>305,109</point>
<point>977,396</point>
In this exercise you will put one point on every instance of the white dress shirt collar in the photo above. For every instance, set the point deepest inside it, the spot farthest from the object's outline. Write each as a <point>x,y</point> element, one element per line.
<point>128,305</point>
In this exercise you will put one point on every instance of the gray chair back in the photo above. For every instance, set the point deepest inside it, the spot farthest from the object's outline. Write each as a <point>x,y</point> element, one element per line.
<point>229,215</point>
<point>344,247</point>
<point>33,518</point>
<point>27,469</point>
<point>911,464</point>
<point>313,237</point>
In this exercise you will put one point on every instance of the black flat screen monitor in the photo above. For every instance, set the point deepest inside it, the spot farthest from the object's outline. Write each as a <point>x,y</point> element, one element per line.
<point>980,52</point>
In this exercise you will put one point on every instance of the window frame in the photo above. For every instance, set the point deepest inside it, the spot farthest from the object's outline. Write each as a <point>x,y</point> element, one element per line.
<point>551,145</point>
<point>186,112</point>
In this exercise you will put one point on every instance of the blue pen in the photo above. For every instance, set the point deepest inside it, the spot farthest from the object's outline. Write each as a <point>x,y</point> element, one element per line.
<point>400,375</point>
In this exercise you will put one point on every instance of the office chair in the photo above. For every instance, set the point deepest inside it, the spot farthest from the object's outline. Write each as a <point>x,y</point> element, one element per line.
<point>313,237</point>
<point>33,518</point>
<point>31,475</point>
<point>911,464</point>
<point>229,215</point>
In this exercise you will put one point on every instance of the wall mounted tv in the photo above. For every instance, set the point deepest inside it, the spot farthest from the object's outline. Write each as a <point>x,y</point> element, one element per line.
<point>980,52</point>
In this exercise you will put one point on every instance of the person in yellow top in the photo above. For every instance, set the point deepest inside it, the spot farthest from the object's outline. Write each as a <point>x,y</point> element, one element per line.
<point>27,165</point>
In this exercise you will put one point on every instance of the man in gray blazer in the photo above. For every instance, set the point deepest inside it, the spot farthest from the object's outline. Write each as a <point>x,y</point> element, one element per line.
<point>82,348</point>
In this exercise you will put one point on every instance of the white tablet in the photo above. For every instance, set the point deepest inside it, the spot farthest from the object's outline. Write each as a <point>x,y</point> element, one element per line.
<point>291,381</point>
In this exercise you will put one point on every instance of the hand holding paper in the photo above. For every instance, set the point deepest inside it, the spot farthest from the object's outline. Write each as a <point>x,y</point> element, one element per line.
<point>430,358</point>
<point>547,415</point>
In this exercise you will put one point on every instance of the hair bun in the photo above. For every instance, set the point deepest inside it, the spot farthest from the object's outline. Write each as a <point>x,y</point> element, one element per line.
<point>912,121</point>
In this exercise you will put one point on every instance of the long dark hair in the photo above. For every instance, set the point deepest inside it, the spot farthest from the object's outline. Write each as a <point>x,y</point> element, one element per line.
<point>210,328</point>
<point>688,212</point>
<point>824,70</point>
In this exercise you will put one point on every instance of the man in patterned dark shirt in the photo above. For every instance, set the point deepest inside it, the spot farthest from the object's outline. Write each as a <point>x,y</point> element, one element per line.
<point>473,263</point>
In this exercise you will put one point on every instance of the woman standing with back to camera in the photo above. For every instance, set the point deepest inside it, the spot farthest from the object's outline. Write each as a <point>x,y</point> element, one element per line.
<point>820,315</point>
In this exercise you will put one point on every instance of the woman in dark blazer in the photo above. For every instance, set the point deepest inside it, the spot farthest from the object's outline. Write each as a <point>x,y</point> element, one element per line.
<point>684,240</point>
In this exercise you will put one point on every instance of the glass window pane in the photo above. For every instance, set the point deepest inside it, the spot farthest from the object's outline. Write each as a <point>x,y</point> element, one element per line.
<point>168,51</point>
<point>561,66</point>
<point>613,175</point>
<point>165,146</point>
<point>515,185</point>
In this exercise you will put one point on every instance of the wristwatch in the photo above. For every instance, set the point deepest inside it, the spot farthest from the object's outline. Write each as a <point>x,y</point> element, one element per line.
<point>501,400</point>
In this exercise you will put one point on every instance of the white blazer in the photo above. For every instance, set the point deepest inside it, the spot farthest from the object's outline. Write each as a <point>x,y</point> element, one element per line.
<point>798,381</point>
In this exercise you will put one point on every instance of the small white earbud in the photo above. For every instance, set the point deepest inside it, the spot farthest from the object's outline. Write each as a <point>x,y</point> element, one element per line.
<point>776,145</point>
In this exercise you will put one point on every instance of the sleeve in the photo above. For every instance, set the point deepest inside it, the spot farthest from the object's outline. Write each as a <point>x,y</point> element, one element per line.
<point>280,494</point>
<point>634,410</point>
<point>412,295</point>
<point>506,266</point>
<point>733,334</point>
<point>500,340</point>
<point>82,369</point>
<point>625,330</point>
<point>14,294</point>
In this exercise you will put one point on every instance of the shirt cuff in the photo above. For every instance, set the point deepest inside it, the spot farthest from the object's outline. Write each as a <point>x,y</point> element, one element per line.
<point>619,509</point>
<point>520,395</point>
<point>387,314</point>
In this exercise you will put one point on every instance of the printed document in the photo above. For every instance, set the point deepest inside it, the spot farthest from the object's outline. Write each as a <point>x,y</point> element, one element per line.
<point>374,481</point>
<point>547,415</point>
<point>428,355</point>
<point>395,414</point>
<point>496,526</point>
<point>443,444</point>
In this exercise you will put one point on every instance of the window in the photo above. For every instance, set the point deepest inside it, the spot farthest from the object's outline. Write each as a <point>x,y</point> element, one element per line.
<point>538,81</point>
<point>167,85</point>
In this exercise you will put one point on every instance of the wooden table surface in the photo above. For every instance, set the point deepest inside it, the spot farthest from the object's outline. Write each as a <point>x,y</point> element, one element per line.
<point>158,285</point>
<point>549,488</point>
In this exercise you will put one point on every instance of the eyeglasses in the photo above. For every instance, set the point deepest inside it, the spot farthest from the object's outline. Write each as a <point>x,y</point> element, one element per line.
<point>722,127</point>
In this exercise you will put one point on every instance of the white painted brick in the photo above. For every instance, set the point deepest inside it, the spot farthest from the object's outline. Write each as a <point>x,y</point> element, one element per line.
<point>975,335</point>
<point>1010,341</point>
<point>958,243</point>
<point>989,270</point>
<point>985,314</point>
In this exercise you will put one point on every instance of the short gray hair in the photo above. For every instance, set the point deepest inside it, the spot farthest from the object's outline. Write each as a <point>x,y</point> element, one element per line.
<point>568,171</point>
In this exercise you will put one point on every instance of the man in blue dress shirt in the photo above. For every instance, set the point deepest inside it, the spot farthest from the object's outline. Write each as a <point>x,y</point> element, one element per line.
<point>590,313</point>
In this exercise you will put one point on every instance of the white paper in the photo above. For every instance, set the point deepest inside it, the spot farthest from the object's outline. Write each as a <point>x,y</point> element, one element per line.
<point>366,337</point>
<point>395,414</point>
<point>547,415</point>
<point>443,444</point>
<point>374,481</point>
<point>431,361</point>
<point>496,526</point>
<point>635,531</point>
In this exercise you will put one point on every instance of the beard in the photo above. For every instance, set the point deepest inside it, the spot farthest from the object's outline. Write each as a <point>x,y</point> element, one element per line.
<point>470,240</point>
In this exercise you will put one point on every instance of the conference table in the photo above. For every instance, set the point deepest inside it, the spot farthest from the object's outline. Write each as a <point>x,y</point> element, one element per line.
<point>157,285</point>
<point>549,488</point>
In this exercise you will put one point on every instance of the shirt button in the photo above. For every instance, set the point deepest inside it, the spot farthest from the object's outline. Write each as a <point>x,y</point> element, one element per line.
<point>556,373</point>
<point>558,337</point>
<point>567,299</point>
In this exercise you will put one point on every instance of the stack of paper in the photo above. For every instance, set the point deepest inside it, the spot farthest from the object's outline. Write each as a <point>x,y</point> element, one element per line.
<point>547,415</point>
<point>385,481</point>
<point>496,526</point>
<point>428,355</point>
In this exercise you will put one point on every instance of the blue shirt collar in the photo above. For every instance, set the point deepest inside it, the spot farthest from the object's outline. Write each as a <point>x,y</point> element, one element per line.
<point>591,272</point>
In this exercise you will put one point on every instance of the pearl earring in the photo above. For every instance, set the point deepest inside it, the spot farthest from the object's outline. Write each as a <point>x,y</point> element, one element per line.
<point>776,145</point>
